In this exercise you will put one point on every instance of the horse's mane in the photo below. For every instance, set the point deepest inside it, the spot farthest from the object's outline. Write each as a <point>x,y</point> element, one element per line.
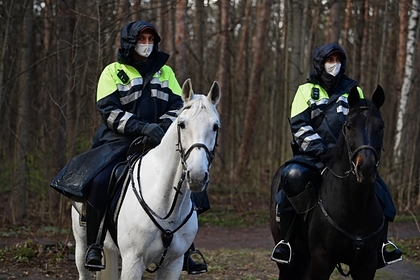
<point>194,106</point>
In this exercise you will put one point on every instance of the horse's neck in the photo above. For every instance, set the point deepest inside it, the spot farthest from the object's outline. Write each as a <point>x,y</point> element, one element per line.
<point>160,172</point>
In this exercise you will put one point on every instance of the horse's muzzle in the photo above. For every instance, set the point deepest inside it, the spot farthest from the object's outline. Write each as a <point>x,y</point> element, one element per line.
<point>197,182</point>
<point>365,167</point>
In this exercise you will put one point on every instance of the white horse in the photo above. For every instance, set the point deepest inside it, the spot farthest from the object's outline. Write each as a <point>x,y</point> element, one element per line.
<point>156,224</point>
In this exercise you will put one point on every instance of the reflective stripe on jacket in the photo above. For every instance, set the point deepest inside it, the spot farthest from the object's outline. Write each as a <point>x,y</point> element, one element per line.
<point>317,119</point>
<point>126,103</point>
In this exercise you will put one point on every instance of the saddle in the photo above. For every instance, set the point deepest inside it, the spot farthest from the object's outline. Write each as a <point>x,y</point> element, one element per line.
<point>118,185</point>
<point>120,180</point>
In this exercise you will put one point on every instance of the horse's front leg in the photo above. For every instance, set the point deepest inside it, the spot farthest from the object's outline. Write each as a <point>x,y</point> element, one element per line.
<point>171,271</point>
<point>132,267</point>
<point>321,265</point>
<point>364,268</point>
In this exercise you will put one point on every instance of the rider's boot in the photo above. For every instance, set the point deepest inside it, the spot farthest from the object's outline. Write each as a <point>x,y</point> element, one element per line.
<point>282,252</point>
<point>190,265</point>
<point>93,257</point>
<point>389,252</point>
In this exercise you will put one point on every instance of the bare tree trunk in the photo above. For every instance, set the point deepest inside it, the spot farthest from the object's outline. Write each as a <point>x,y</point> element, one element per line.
<point>200,28</point>
<point>358,27</point>
<point>364,53</point>
<point>399,151</point>
<point>259,43</point>
<point>180,37</point>
<point>335,21</point>
<point>18,198</point>
<point>223,78</point>
<point>402,42</point>
<point>347,23</point>
<point>3,50</point>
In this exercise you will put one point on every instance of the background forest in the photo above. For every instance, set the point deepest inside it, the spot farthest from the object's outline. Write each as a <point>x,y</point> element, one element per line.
<point>53,51</point>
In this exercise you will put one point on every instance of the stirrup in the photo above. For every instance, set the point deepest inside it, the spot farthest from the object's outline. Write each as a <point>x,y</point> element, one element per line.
<point>282,242</point>
<point>95,267</point>
<point>389,243</point>
<point>187,258</point>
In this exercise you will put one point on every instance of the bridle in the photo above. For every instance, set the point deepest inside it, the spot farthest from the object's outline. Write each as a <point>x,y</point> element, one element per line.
<point>352,154</point>
<point>186,154</point>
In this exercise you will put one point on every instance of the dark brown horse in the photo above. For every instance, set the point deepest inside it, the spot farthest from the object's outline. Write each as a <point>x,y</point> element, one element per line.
<point>344,226</point>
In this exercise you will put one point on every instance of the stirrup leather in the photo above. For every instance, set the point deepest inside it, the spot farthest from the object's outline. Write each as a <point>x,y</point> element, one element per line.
<point>282,242</point>
<point>389,243</point>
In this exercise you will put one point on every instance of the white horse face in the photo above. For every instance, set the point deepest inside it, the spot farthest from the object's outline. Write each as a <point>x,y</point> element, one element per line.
<point>198,125</point>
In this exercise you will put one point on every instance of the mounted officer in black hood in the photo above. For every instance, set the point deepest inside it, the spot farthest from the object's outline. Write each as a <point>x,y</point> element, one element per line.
<point>318,113</point>
<point>137,96</point>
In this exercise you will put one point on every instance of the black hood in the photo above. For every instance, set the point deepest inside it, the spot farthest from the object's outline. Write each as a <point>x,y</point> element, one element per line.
<point>129,37</point>
<point>319,76</point>
<point>321,53</point>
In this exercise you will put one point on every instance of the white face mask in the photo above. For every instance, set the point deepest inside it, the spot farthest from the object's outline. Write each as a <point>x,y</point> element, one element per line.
<point>144,49</point>
<point>332,68</point>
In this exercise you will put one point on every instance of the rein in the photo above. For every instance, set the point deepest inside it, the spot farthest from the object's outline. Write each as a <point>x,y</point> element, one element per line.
<point>167,235</point>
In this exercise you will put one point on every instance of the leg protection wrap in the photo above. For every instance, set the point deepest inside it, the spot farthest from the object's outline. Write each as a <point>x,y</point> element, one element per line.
<point>299,182</point>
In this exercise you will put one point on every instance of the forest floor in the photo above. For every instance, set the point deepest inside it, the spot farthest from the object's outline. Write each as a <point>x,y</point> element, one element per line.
<point>236,243</point>
<point>241,252</point>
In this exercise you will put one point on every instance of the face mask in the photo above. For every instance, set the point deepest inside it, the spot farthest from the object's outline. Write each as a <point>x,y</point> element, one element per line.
<point>144,49</point>
<point>332,68</point>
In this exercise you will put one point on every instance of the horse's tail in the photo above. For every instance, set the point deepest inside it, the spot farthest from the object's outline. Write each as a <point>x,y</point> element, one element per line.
<point>111,271</point>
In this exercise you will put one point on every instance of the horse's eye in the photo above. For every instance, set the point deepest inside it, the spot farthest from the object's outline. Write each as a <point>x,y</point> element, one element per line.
<point>216,127</point>
<point>181,125</point>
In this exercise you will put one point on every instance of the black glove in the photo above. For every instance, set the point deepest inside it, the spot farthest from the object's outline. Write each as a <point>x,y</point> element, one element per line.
<point>325,156</point>
<point>153,131</point>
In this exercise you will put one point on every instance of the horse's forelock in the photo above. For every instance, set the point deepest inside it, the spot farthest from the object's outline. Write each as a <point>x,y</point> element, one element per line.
<point>193,107</point>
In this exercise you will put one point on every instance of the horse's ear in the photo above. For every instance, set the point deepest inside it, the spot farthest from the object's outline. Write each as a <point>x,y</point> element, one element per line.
<point>353,97</point>
<point>187,91</point>
<point>214,93</point>
<point>378,97</point>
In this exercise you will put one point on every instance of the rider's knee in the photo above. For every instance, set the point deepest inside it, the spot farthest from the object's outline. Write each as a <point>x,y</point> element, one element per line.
<point>297,177</point>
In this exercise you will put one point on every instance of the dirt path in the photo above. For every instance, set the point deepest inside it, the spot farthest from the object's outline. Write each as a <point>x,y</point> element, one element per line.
<point>255,239</point>
<point>212,238</point>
